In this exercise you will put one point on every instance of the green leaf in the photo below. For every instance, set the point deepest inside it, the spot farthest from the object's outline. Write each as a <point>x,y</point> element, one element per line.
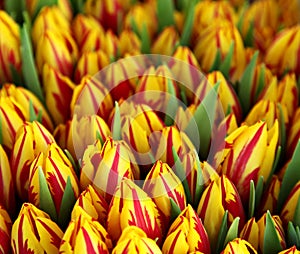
<point>32,115</point>
<point>77,6</point>
<point>175,210</point>
<point>41,3</point>
<point>116,131</point>
<point>242,15</point>
<point>188,25</point>
<point>200,183</point>
<point>290,178</point>
<point>249,40</point>
<point>292,237</point>
<point>204,117</point>
<point>261,82</point>
<point>232,231</point>
<point>71,159</point>
<point>296,218</point>
<point>225,66</point>
<point>16,77</point>
<point>29,71</point>
<point>275,164</point>
<point>183,96</point>
<point>244,88</point>
<point>259,191</point>
<point>282,129</point>
<point>145,40</point>
<point>251,208</point>
<point>217,62</point>
<point>181,174</point>
<point>165,14</point>
<point>46,201</point>
<point>271,241</point>
<point>134,27</point>
<point>98,136</point>
<point>67,203</point>
<point>222,235</point>
<point>172,104</point>
<point>182,5</point>
<point>15,8</point>
<point>27,21</point>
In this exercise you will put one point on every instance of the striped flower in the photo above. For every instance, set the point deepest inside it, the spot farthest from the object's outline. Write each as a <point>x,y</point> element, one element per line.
<point>5,231</point>
<point>239,246</point>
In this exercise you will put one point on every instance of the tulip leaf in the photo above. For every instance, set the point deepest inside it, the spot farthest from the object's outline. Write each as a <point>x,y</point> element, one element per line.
<point>46,201</point>
<point>15,9</point>
<point>183,96</point>
<point>259,191</point>
<point>32,115</point>
<point>222,234</point>
<point>261,81</point>
<point>116,125</point>
<point>251,207</point>
<point>282,129</point>
<point>172,104</point>
<point>199,183</point>
<point>188,25</point>
<point>29,71</point>
<point>77,6</point>
<point>225,65</point>
<point>16,77</point>
<point>290,178</point>
<point>244,88</point>
<point>175,210</point>
<point>42,3</point>
<point>181,5</point>
<point>275,164</point>
<point>98,136</point>
<point>296,218</point>
<point>293,235</point>
<point>232,231</point>
<point>71,159</point>
<point>271,241</point>
<point>27,21</point>
<point>217,61</point>
<point>250,35</point>
<point>181,175</point>
<point>145,40</point>
<point>67,203</point>
<point>204,118</point>
<point>165,14</point>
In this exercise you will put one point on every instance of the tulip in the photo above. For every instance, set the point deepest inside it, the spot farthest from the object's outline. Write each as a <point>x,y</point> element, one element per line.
<point>85,235</point>
<point>22,98</point>
<point>264,17</point>
<point>31,139</point>
<point>161,184</point>
<point>293,134</point>
<point>248,154</point>
<point>5,231</point>
<point>254,232</point>
<point>186,234</point>
<point>93,204</point>
<point>131,206</point>
<point>105,169</point>
<point>280,61</point>
<point>239,245</point>
<point>135,240</point>
<point>9,47</point>
<point>219,196</point>
<point>112,45</point>
<point>49,18</point>
<point>58,51</point>
<point>184,116</point>
<point>292,250</point>
<point>129,42</point>
<point>59,91</point>
<point>289,208</point>
<point>219,35</point>
<point>91,97</point>
<point>165,42</point>
<point>7,194</point>
<point>34,232</point>
<point>290,14</point>
<point>57,169</point>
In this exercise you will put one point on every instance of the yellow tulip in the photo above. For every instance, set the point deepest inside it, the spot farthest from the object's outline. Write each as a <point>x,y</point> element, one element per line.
<point>240,246</point>
<point>292,250</point>
<point>5,231</point>
<point>129,43</point>
<point>293,134</point>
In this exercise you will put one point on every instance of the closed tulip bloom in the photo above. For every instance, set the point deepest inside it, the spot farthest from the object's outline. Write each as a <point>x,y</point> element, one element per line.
<point>292,250</point>
<point>254,232</point>
<point>9,47</point>
<point>184,116</point>
<point>239,245</point>
<point>186,234</point>
<point>293,134</point>
<point>7,192</point>
<point>240,165</point>
<point>31,139</point>
<point>85,235</point>
<point>131,206</point>
<point>129,42</point>
<point>56,168</point>
<point>91,97</point>
<point>92,203</point>
<point>49,18</point>
<point>219,35</point>
<point>279,60</point>
<point>290,13</point>
<point>34,232</point>
<point>135,240</point>
<point>5,231</point>
<point>219,196</point>
<point>166,42</point>
<point>289,208</point>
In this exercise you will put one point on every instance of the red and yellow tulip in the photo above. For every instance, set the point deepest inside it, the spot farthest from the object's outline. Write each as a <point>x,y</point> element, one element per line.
<point>239,245</point>
<point>5,231</point>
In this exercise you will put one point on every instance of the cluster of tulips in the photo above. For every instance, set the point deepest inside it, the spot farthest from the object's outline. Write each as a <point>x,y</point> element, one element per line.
<point>156,126</point>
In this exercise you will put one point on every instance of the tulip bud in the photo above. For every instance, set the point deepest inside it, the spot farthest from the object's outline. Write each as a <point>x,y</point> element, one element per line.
<point>219,196</point>
<point>34,232</point>
<point>58,51</point>
<point>85,235</point>
<point>239,245</point>
<point>31,139</point>
<point>131,206</point>
<point>292,250</point>
<point>254,232</point>
<point>280,61</point>
<point>186,234</point>
<point>219,35</point>
<point>135,240</point>
<point>91,97</point>
<point>93,204</point>
<point>7,194</point>
<point>293,134</point>
<point>129,42</point>
<point>57,169</point>
<point>5,231</point>
<point>184,116</point>
<point>289,209</point>
<point>240,165</point>
<point>9,48</point>
<point>290,14</point>
<point>166,42</point>
<point>105,169</point>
